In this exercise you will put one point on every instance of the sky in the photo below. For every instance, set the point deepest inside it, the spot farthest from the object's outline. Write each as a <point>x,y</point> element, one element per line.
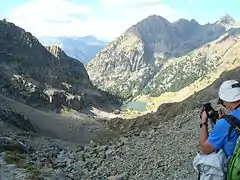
<point>106,19</point>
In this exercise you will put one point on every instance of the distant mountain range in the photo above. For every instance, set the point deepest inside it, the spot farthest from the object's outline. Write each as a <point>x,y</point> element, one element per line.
<point>156,56</point>
<point>81,48</point>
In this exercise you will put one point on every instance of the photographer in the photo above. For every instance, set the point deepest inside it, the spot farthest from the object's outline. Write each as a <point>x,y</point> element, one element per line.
<point>219,145</point>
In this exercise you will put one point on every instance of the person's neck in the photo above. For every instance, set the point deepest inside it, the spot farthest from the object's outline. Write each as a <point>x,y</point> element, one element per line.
<point>237,106</point>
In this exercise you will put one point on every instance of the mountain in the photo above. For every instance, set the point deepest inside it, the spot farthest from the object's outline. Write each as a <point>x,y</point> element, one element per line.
<point>156,141</point>
<point>44,77</point>
<point>155,56</point>
<point>81,48</point>
<point>172,125</point>
<point>227,20</point>
<point>148,147</point>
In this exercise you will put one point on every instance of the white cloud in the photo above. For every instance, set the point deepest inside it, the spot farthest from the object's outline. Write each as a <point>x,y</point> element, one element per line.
<point>130,4</point>
<point>108,20</point>
<point>54,17</point>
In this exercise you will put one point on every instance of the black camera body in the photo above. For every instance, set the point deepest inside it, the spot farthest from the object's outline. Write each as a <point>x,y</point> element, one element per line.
<point>211,113</point>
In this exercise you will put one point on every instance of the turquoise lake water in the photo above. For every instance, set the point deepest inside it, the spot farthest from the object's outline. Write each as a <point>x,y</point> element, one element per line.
<point>135,105</point>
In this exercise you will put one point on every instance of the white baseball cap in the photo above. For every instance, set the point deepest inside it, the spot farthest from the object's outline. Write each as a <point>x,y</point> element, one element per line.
<point>229,91</point>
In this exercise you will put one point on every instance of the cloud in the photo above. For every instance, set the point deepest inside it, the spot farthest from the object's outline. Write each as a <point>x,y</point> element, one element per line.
<point>106,19</point>
<point>127,3</point>
<point>138,9</point>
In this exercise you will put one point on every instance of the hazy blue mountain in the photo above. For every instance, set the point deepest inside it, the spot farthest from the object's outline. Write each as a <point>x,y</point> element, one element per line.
<point>81,48</point>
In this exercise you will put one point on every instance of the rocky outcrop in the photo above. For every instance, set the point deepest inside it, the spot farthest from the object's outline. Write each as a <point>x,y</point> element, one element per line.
<point>61,98</point>
<point>25,90</point>
<point>28,70</point>
<point>155,55</point>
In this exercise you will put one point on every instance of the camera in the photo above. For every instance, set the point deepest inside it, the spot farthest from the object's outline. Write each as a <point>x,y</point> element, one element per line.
<point>211,113</point>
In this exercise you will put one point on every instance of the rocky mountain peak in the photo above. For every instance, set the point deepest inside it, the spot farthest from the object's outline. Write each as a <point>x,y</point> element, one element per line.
<point>56,51</point>
<point>153,19</point>
<point>193,21</point>
<point>151,24</point>
<point>181,20</point>
<point>227,20</point>
<point>186,22</point>
<point>129,63</point>
<point>12,33</point>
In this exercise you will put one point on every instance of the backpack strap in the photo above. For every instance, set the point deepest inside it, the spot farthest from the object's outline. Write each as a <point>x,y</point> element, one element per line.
<point>234,122</point>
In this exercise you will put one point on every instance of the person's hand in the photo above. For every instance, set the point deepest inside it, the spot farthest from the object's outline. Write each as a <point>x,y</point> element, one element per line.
<point>221,113</point>
<point>204,116</point>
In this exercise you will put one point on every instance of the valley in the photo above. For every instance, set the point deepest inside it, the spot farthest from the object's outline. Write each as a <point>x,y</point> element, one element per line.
<point>132,112</point>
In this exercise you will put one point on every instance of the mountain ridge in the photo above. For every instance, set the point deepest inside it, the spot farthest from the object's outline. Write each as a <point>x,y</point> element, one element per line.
<point>44,77</point>
<point>127,65</point>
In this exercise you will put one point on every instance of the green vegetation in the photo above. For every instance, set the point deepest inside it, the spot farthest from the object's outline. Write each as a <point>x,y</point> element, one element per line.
<point>121,94</point>
<point>65,109</point>
<point>13,157</point>
<point>179,74</point>
<point>103,136</point>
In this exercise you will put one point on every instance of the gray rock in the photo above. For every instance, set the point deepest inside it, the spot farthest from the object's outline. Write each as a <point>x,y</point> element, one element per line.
<point>123,176</point>
<point>11,172</point>
<point>110,151</point>
<point>59,165</point>
<point>59,176</point>
<point>9,144</point>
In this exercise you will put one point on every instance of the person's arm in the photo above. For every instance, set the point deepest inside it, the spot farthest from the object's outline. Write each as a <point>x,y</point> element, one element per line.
<point>205,146</point>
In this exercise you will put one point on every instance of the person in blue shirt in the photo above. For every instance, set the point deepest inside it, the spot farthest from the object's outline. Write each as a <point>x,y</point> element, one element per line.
<point>229,97</point>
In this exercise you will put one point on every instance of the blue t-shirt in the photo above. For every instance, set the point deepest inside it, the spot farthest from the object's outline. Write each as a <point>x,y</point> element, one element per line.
<point>219,135</point>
